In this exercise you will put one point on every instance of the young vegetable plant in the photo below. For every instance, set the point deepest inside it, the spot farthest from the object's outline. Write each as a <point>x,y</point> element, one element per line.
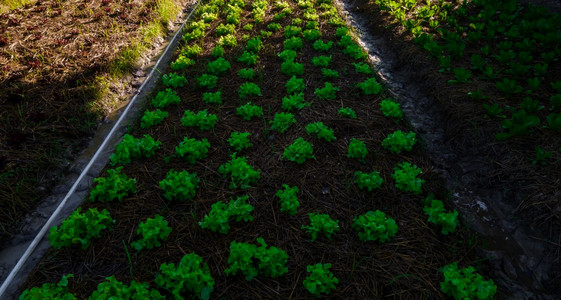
<point>207,81</point>
<point>248,111</point>
<point>50,291</point>
<point>391,109</point>
<point>152,232</point>
<point>369,181</point>
<point>465,283</point>
<point>374,225</point>
<point>347,112</point>
<point>152,118</point>
<point>328,92</point>
<point>282,121</point>
<point>242,175</point>
<point>192,150</point>
<point>311,34</point>
<point>218,67</point>
<point>321,223</point>
<point>239,141</point>
<point>320,280</point>
<point>111,288</point>
<point>201,119</point>
<point>363,68</point>
<point>448,221</point>
<point>132,148</point>
<point>249,89</point>
<point>212,98</point>
<point>251,260</point>
<point>180,186</point>
<point>182,62</point>
<point>115,186</point>
<point>254,45</point>
<point>294,101</point>
<point>370,86</point>
<point>321,61</point>
<point>165,98</point>
<point>357,149</point>
<point>221,214</point>
<point>295,85</point>
<point>174,80</point>
<point>246,74</point>
<point>288,199</point>
<point>248,58</point>
<point>321,131</point>
<point>217,51</point>
<point>319,45</point>
<point>292,68</point>
<point>542,156</point>
<point>329,73</point>
<point>520,124</point>
<point>398,141</point>
<point>293,43</point>
<point>287,55</point>
<point>405,176</point>
<point>191,276</point>
<point>299,151</point>
<point>80,229</point>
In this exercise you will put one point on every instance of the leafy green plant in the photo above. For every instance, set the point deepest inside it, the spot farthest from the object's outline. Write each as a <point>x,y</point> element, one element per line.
<point>292,31</point>
<point>462,75</point>
<point>448,221</point>
<point>405,176</point>
<point>374,225</point>
<point>322,131</point>
<point>50,291</point>
<point>248,58</point>
<point>555,100</point>
<point>321,223</point>
<point>207,81</point>
<point>321,61</point>
<point>239,140</point>
<point>274,26</point>
<point>554,121</point>
<point>370,181</point>
<point>370,86</point>
<point>192,150</point>
<point>398,141</point>
<point>355,51</point>
<point>210,98</point>
<point>152,118</point>
<point>288,199</point>
<point>299,151</point>
<point>320,280</point>
<point>493,110</point>
<point>327,92</point>
<point>357,149</point>
<point>201,119</point>
<point>292,68</point>
<point>115,186</point>
<point>249,89</point>
<point>246,74</point>
<point>294,101</point>
<point>217,51</point>
<point>242,175</point>
<point>191,275</point>
<point>520,124</point>
<point>295,85</point>
<point>192,51</point>
<point>180,186</point>
<point>254,45</point>
<point>391,109</point>
<point>508,86</point>
<point>174,80</point>
<point>221,214</point>
<point>182,62</point>
<point>282,121</point>
<point>311,34</point>
<point>288,55</point>
<point>134,148</point>
<point>80,229</point>
<point>218,66</point>
<point>329,73</point>
<point>111,288</point>
<point>320,45</point>
<point>293,43</point>
<point>152,232</point>
<point>165,98</point>
<point>363,68</point>
<point>248,111</point>
<point>465,283</point>
<point>227,41</point>
<point>530,105</point>
<point>541,156</point>
<point>251,260</point>
<point>347,112</point>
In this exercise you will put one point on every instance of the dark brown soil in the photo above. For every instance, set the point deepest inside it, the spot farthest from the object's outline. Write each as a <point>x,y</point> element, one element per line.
<point>405,267</point>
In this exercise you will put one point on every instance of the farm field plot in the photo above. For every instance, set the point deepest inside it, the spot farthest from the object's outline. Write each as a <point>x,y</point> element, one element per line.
<point>270,163</point>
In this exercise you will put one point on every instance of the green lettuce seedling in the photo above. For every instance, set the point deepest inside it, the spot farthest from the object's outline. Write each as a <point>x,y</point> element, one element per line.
<point>405,176</point>
<point>448,221</point>
<point>319,45</point>
<point>152,118</point>
<point>321,223</point>
<point>248,58</point>
<point>292,68</point>
<point>295,85</point>
<point>347,112</point>
<point>249,89</point>
<point>239,141</point>
<point>327,92</point>
<point>201,119</point>
<point>320,280</point>
<point>329,73</point>
<point>165,98</point>
<point>374,225</point>
<point>311,34</point>
<point>248,111</point>
<point>292,31</point>
<point>288,199</point>
<point>192,150</point>
<point>465,283</point>
<point>192,51</point>
<point>398,141</point>
<point>293,43</point>
<point>115,186</point>
<point>294,101</point>
<point>391,109</point>
<point>174,80</point>
<point>246,74</point>
<point>321,61</point>
<point>299,151</point>
<point>111,288</point>
<point>50,291</point>
<point>370,86</point>
<point>218,67</point>
<point>242,175</point>
<point>132,148</point>
<point>221,214</point>
<point>357,149</point>
<point>80,229</point>
<point>225,29</point>
<point>210,98</point>
<point>152,232</point>
<point>251,260</point>
<point>254,45</point>
<point>363,68</point>
<point>180,186</point>
<point>229,40</point>
<point>288,55</point>
<point>182,62</point>
<point>369,181</point>
<point>217,51</point>
<point>321,131</point>
<point>282,121</point>
<point>207,81</point>
<point>191,275</point>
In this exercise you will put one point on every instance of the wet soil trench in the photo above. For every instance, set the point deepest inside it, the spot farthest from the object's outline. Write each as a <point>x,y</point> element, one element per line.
<point>35,220</point>
<point>520,261</point>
